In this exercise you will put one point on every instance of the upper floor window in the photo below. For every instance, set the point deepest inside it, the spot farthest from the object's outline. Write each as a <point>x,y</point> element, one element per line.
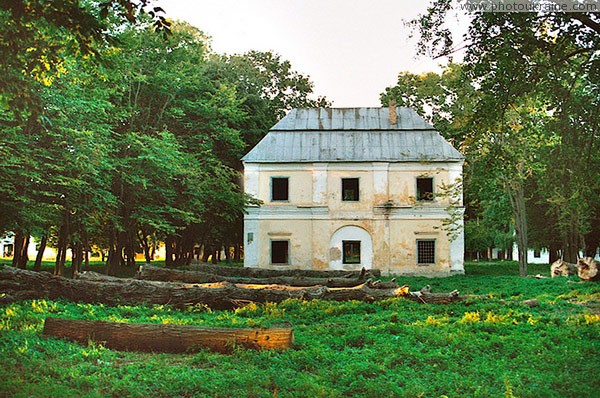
<point>425,188</point>
<point>280,188</point>
<point>350,189</point>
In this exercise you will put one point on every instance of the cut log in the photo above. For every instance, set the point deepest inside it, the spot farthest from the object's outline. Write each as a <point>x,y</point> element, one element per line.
<point>562,268</point>
<point>149,272</point>
<point>426,297</point>
<point>587,269</point>
<point>24,284</point>
<point>267,273</point>
<point>166,338</point>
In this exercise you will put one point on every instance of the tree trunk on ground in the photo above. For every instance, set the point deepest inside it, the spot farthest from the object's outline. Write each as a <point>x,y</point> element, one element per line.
<point>40,254</point>
<point>22,284</point>
<point>167,338</point>
<point>148,272</point>
<point>587,269</point>
<point>266,273</point>
<point>562,268</point>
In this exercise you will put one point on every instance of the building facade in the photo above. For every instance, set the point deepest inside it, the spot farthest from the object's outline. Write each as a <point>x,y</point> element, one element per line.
<point>351,188</point>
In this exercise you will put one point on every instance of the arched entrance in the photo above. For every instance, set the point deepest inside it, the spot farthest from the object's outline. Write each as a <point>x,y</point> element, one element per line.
<point>350,248</point>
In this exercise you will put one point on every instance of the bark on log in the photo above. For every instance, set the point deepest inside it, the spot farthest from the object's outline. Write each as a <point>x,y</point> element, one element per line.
<point>24,284</point>
<point>166,338</point>
<point>266,273</point>
<point>562,268</point>
<point>587,269</point>
<point>149,272</point>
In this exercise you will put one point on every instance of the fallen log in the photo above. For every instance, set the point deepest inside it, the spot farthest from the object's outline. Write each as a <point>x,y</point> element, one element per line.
<point>426,297</point>
<point>562,268</point>
<point>224,270</point>
<point>25,284</point>
<point>149,272</point>
<point>166,338</point>
<point>587,269</point>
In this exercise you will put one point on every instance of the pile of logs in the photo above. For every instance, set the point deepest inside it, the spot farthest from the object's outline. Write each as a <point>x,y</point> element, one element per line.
<point>586,268</point>
<point>198,287</point>
<point>91,287</point>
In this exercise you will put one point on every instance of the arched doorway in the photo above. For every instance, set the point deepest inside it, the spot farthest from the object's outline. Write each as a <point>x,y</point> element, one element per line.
<point>350,248</point>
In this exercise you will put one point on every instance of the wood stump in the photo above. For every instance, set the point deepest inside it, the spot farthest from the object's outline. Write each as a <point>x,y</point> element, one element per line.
<point>562,268</point>
<point>587,269</point>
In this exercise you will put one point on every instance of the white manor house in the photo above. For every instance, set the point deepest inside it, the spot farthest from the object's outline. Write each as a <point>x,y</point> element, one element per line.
<point>351,188</point>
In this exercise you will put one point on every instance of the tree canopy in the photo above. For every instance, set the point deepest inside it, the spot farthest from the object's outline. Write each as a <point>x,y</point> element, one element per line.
<point>523,104</point>
<point>117,136</point>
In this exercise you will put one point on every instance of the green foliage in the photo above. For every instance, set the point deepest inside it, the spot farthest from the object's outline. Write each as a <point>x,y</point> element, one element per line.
<point>491,345</point>
<point>521,105</point>
<point>117,136</point>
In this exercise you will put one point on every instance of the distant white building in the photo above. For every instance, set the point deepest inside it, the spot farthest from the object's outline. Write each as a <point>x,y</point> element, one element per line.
<point>534,256</point>
<point>7,248</point>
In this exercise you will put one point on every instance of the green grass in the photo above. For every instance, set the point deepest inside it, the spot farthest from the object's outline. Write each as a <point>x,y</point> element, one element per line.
<point>490,346</point>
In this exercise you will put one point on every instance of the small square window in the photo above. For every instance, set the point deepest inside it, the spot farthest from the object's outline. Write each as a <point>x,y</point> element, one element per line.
<point>350,189</point>
<point>425,189</point>
<point>537,254</point>
<point>280,252</point>
<point>426,252</point>
<point>279,188</point>
<point>351,249</point>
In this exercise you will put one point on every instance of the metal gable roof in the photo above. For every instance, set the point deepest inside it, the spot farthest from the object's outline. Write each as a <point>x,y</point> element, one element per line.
<point>350,119</point>
<point>351,135</point>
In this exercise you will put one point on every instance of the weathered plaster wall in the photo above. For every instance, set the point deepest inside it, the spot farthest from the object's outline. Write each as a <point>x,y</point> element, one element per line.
<point>315,211</point>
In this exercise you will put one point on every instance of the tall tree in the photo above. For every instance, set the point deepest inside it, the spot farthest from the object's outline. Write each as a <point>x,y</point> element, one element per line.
<point>527,66</point>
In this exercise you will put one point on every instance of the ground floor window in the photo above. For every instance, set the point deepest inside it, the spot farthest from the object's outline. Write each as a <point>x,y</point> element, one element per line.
<point>351,250</point>
<point>426,251</point>
<point>280,251</point>
<point>537,254</point>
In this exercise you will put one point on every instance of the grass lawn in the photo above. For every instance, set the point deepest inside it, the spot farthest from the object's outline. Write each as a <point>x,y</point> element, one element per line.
<point>490,346</point>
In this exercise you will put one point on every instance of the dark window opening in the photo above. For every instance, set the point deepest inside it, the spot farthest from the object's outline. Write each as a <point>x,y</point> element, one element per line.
<point>350,189</point>
<point>8,250</point>
<point>537,254</point>
<point>279,188</point>
<point>351,249</point>
<point>425,188</point>
<point>279,252</point>
<point>426,252</point>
